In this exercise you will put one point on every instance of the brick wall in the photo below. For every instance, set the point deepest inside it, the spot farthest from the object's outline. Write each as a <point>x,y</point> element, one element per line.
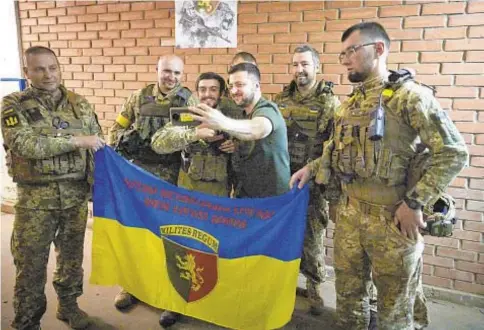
<point>109,49</point>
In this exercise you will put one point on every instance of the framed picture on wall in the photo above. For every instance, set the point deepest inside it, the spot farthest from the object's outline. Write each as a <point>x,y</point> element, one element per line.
<point>206,24</point>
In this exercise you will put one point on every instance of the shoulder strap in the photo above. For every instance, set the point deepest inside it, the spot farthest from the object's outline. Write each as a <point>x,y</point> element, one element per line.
<point>184,93</point>
<point>74,100</point>
<point>324,87</point>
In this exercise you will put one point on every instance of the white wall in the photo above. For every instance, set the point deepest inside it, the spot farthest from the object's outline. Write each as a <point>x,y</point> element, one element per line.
<point>9,68</point>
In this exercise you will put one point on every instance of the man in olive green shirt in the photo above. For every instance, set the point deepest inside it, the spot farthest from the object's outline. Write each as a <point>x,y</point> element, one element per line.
<point>264,167</point>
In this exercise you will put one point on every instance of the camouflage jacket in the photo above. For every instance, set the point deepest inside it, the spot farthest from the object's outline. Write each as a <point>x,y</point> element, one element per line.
<point>20,139</point>
<point>412,115</point>
<point>130,112</point>
<point>316,111</point>
<point>320,97</point>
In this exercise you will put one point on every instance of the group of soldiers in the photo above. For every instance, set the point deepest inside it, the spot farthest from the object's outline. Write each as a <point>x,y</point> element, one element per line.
<point>358,152</point>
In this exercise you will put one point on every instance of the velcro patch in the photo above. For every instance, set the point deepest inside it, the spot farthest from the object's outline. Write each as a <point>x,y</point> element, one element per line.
<point>10,117</point>
<point>11,120</point>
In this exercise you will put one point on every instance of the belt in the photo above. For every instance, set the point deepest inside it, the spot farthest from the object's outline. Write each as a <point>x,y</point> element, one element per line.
<point>372,209</point>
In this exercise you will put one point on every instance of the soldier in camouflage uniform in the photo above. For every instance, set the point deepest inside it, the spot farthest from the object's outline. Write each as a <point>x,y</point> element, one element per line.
<point>50,134</point>
<point>308,107</point>
<point>146,111</point>
<point>205,154</point>
<point>375,138</point>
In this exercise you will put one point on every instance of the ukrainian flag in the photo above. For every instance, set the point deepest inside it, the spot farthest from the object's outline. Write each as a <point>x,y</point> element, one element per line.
<point>232,262</point>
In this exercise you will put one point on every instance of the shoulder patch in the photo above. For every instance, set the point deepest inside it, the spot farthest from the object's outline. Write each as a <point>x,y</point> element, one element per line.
<point>34,114</point>
<point>10,117</point>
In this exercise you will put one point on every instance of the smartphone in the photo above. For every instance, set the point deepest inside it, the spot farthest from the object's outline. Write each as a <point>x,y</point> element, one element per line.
<point>182,117</point>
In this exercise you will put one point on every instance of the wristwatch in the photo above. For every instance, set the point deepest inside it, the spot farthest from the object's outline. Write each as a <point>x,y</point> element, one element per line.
<point>412,203</point>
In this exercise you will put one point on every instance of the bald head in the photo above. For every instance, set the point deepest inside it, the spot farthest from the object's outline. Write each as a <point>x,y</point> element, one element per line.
<point>170,71</point>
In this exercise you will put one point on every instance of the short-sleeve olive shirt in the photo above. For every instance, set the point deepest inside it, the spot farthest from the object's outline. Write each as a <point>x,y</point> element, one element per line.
<point>264,164</point>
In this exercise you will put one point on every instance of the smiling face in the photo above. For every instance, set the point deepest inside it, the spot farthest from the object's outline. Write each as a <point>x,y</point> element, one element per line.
<point>170,71</point>
<point>43,71</point>
<point>242,88</point>
<point>359,57</point>
<point>209,92</point>
<point>304,69</point>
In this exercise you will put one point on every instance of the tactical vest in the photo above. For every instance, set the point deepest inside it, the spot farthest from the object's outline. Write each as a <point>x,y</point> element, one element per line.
<point>305,139</point>
<point>204,161</point>
<point>152,117</point>
<point>68,166</point>
<point>375,170</point>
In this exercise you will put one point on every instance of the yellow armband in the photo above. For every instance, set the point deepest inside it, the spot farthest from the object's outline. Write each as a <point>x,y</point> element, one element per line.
<point>123,121</point>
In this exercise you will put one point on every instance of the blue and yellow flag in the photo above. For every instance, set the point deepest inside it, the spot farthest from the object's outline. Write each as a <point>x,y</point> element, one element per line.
<point>232,262</point>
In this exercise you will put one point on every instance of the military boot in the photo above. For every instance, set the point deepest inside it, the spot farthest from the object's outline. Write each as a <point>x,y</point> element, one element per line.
<point>72,314</point>
<point>315,298</point>
<point>168,318</point>
<point>124,299</point>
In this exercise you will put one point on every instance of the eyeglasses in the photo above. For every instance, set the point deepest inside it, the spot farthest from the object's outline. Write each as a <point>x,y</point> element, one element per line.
<point>351,51</point>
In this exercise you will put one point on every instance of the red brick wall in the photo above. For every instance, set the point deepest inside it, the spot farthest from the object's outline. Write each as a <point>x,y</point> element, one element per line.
<point>109,49</point>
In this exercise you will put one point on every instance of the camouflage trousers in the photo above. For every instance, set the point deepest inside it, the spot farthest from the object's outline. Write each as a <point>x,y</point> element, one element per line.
<point>33,232</point>
<point>312,260</point>
<point>420,311</point>
<point>371,243</point>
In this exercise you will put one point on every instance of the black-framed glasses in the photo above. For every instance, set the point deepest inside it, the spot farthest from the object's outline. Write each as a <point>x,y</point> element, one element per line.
<point>58,123</point>
<point>351,51</point>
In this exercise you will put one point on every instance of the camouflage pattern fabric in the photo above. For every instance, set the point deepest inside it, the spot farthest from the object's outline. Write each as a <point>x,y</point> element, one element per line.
<point>33,233</point>
<point>171,139</point>
<point>411,112</point>
<point>311,115</point>
<point>129,120</point>
<point>130,111</point>
<point>46,212</point>
<point>420,311</point>
<point>371,242</point>
<point>313,111</point>
<point>32,146</point>
<point>312,259</point>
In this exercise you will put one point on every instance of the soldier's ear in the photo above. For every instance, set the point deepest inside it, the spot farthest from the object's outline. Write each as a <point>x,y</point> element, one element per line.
<point>26,72</point>
<point>380,48</point>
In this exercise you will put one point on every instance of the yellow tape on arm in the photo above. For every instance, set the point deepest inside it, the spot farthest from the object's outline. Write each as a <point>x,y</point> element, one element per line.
<point>387,92</point>
<point>123,121</point>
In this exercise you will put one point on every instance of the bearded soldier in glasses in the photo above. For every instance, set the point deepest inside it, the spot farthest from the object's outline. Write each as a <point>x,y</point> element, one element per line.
<point>377,133</point>
<point>50,135</point>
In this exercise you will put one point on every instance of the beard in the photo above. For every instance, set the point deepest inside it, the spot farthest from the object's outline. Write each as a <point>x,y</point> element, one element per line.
<point>356,77</point>
<point>303,80</point>
<point>246,100</point>
<point>210,101</point>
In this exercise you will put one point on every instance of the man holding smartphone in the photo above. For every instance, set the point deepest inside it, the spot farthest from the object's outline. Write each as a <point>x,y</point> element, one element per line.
<point>146,111</point>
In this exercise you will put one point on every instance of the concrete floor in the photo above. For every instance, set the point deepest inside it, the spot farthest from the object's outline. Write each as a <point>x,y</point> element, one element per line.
<point>98,302</point>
